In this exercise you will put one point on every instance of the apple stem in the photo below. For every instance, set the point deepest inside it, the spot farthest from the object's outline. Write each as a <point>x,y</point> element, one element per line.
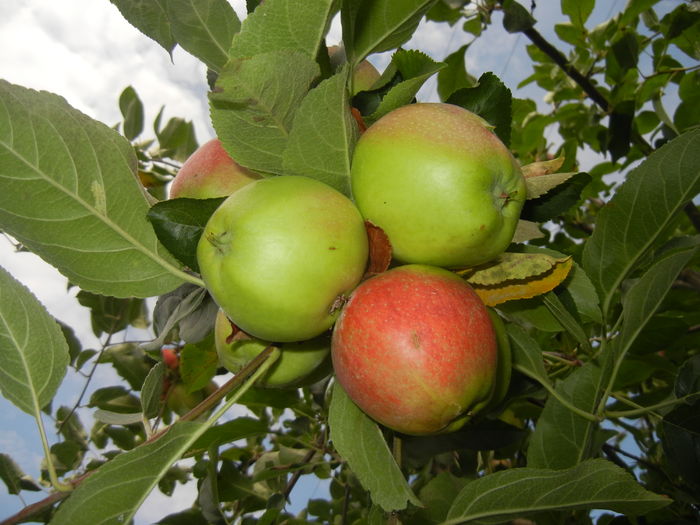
<point>218,241</point>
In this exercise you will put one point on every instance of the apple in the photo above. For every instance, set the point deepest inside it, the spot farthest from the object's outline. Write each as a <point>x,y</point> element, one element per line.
<point>296,365</point>
<point>180,401</point>
<point>279,255</point>
<point>416,350</point>
<point>439,182</point>
<point>210,172</point>
<point>363,76</point>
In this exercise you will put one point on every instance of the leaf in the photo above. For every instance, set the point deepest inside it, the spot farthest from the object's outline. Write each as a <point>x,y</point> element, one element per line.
<point>538,186</point>
<point>150,18</point>
<point>32,347</point>
<point>132,110</point>
<point>360,442</point>
<point>556,200</point>
<point>578,11</point>
<point>563,438</point>
<point>13,476</point>
<point>323,135</point>
<point>239,428</point>
<point>173,308</point>
<point>117,418</point>
<point>205,29</point>
<point>198,363</point>
<point>152,390</point>
<point>688,379</point>
<point>517,276</point>
<point>526,355</point>
<point>253,111</point>
<point>491,100</point>
<point>594,484</point>
<point>454,76</point>
<point>282,25</point>
<point>527,231</point>
<point>128,478</point>
<point>414,68</point>
<point>580,289</point>
<point>638,216</point>
<point>644,297</point>
<point>374,26</point>
<point>516,18</point>
<point>680,437</point>
<point>70,195</point>
<point>567,320</point>
<point>179,223</point>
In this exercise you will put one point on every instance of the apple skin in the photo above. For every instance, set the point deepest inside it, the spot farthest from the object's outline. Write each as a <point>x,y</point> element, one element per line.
<point>209,173</point>
<point>363,76</point>
<point>278,254</point>
<point>415,349</point>
<point>297,363</point>
<point>440,183</point>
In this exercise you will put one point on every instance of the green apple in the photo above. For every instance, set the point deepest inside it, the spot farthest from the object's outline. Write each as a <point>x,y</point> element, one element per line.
<point>210,172</point>
<point>297,363</point>
<point>439,182</point>
<point>279,255</point>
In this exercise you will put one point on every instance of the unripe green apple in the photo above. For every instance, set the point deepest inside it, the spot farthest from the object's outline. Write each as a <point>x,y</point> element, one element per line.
<point>210,172</point>
<point>440,183</point>
<point>415,349</point>
<point>296,364</point>
<point>279,254</point>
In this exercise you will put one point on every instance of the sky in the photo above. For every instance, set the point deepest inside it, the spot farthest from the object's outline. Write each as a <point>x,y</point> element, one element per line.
<point>86,52</point>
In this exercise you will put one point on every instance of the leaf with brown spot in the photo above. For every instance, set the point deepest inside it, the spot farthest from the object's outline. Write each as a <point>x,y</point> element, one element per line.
<point>517,276</point>
<point>540,177</point>
<point>379,249</point>
<point>544,167</point>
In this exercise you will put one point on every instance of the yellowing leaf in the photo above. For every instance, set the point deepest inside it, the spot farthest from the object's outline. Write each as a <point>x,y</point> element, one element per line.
<point>545,167</point>
<point>517,276</point>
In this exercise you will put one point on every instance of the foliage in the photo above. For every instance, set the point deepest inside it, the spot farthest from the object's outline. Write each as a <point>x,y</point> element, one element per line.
<point>600,298</point>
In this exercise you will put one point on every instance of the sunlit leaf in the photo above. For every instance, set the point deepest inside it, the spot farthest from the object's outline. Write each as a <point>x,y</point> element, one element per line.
<point>90,221</point>
<point>323,135</point>
<point>253,111</point>
<point>360,442</point>
<point>150,18</point>
<point>33,350</point>
<point>279,24</point>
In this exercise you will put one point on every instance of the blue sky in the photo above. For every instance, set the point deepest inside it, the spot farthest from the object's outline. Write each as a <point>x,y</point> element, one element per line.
<point>86,52</point>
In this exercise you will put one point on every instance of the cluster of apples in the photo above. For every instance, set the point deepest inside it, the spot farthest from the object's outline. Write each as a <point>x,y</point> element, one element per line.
<point>285,258</point>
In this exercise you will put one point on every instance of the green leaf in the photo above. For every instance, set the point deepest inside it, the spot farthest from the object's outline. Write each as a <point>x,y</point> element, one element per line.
<point>563,438</point>
<point>415,68</point>
<point>491,100</point>
<point>639,214</point>
<point>239,428</point>
<point>177,139</point>
<point>578,11</point>
<point>70,195</point>
<point>454,76</point>
<point>33,349</point>
<point>688,380</point>
<point>13,476</point>
<point>515,17</point>
<point>152,390</point>
<point>526,355</point>
<point>198,363</point>
<point>323,135</point>
<point>204,28</point>
<point>277,25</point>
<point>109,315</point>
<point>360,442</point>
<point>179,223</point>
<point>634,9</point>
<point>374,26</point>
<point>580,289</point>
<point>680,438</point>
<point>132,110</point>
<point>117,418</point>
<point>128,478</point>
<point>253,111</point>
<point>150,18</point>
<point>567,320</point>
<point>557,200</point>
<point>644,297</point>
<point>594,484</point>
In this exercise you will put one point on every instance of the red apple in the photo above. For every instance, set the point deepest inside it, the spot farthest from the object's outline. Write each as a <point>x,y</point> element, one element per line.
<point>416,350</point>
<point>210,172</point>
